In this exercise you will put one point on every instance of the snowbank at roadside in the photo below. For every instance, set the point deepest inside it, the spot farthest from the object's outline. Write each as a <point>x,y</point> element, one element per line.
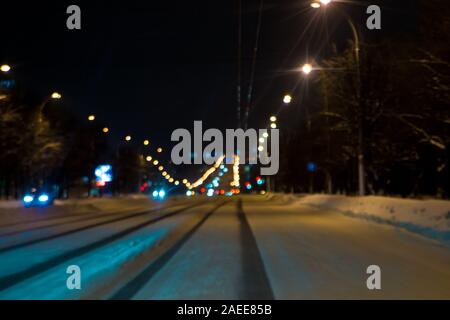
<point>427,217</point>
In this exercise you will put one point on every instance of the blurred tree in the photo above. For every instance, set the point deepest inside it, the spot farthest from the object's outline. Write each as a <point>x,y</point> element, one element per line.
<point>11,139</point>
<point>405,94</point>
<point>41,152</point>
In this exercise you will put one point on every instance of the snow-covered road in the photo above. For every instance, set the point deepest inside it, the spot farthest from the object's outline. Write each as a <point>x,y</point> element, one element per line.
<point>222,248</point>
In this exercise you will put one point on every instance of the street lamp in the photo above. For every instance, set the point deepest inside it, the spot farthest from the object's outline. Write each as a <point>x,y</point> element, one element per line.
<point>273,119</point>
<point>287,99</point>
<point>54,96</point>
<point>128,138</point>
<point>318,3</point>
<point>105,130</point>
<point>307,68</point>
<point>146,142</point>
<point>91,117</point>
<point>5,68</point>
<point>361,164</point>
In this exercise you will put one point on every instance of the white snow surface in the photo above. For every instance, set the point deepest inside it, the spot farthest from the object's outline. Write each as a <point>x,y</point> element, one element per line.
<point>428,217</point>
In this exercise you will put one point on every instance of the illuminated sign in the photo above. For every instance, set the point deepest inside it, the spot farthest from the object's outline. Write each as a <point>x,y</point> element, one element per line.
<point>103,173</point>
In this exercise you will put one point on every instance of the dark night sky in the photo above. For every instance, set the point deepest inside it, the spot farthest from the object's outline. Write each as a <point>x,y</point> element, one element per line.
<point>148,67</point>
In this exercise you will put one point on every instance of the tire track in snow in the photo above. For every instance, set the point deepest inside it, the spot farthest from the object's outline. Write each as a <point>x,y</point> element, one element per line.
<point>80,229</point>
<point>256,284</point>
<point>18,223</point>
<point>15,278</point>
<point>129,290</point>
<point>83,217</point>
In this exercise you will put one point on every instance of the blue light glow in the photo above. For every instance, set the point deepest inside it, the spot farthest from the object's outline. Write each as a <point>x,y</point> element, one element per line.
<point>28,199</point>
<point>312,167</point>
<point>43,198</point>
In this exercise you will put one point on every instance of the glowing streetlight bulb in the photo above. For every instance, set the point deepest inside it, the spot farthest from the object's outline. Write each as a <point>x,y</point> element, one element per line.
<point>185,181</point>
<point>146,142</point>
<point>56,95</point>
<point>160,168</point>
<point>177,182</point>
<point>265,135</point>
<point>170,180</point>
<point>315,5</point>
<point>155,163</point>
<point>273,118</point>
<point>105,130</point>
<point>260,148</point>
<point>159,150</point>
<point>5,68</point>
<point>287,99</point>
<point>307,68</point>
<point>273,125</point>
<point>128,138</point>
<point>261,140</point>
<point>164,174</point>
<point>91,117</point>
<point>149,158</point>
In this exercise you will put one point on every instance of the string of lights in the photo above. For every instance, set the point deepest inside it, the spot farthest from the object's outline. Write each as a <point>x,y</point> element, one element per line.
<point>173,180</point>
<point>236,177</point>
<point>150,158</point>
<point>208,173</point>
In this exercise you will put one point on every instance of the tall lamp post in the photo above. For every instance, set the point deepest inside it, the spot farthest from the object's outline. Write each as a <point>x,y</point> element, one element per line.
<point>356,38</point>
<point>53,96</point>
<point>4,68</point>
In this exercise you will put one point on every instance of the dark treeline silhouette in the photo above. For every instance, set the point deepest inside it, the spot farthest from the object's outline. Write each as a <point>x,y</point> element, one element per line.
<point>55,149</point>
<point>403,107</point>
<point>401,100</point>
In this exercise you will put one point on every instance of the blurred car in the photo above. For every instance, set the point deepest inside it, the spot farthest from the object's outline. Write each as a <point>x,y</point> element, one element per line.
<point>38,198</point>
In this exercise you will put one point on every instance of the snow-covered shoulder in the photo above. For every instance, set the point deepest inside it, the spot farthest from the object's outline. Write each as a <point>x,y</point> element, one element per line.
<point>427,217</point>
